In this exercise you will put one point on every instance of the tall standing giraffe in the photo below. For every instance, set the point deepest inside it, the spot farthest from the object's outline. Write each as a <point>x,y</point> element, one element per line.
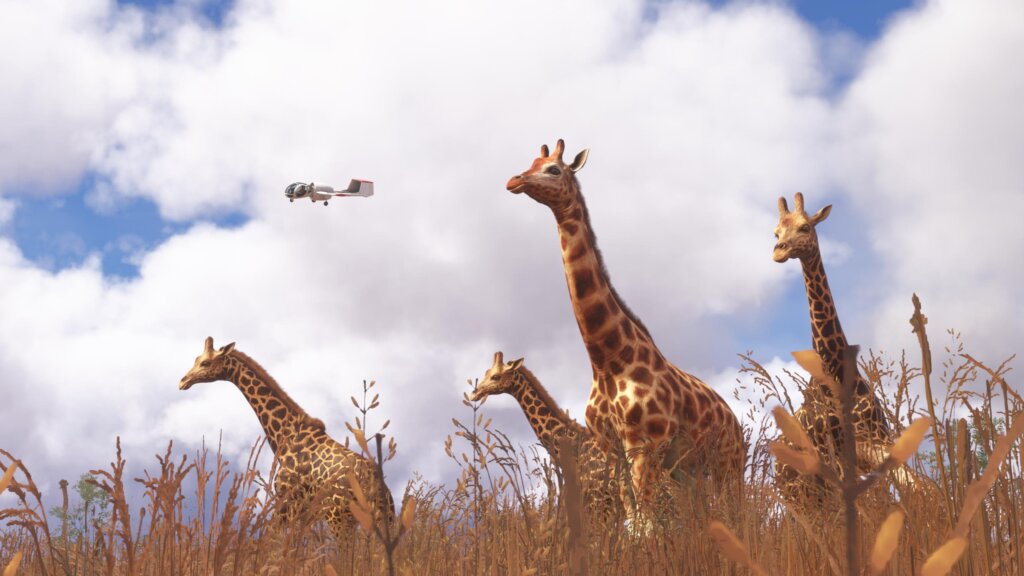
<point>550,423</point>
<point>309,460</point>
<point>797,238</point>
<point>663,416</point>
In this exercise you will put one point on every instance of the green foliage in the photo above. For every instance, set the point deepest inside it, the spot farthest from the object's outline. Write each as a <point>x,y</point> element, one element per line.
<point>93,508</point>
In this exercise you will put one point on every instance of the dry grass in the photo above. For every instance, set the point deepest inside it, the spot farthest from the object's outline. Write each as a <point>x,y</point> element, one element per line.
<point>511,511</point>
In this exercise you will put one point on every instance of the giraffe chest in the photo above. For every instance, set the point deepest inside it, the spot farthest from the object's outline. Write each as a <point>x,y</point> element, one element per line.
<point>637,402</point>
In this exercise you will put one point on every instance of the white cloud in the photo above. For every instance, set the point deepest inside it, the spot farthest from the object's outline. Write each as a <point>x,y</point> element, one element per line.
<point>697,122</point>
<point>932,135</point>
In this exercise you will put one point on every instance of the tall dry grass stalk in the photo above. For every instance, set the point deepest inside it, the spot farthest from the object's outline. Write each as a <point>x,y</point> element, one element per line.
<point>514,511</point>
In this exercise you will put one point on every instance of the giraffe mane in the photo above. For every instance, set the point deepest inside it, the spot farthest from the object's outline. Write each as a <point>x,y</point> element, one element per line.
<point>269,380</point>
<point>545,397</point>
<point>601,268</point>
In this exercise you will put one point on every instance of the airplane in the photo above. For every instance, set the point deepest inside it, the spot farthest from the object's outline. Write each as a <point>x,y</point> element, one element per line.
<point>323,192</point>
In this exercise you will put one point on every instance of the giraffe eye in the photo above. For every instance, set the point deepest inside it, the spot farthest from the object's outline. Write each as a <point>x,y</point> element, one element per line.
<point>553,170</point>
<point>776,235</point>
<point>204,363</point>
<point>805,228</point>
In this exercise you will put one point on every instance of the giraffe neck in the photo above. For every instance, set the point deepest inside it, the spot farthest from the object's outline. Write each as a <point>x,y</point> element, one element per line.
<point>608,327</point>
<point>826,332</point>
<point>548,421</point>
<point>279,415</point>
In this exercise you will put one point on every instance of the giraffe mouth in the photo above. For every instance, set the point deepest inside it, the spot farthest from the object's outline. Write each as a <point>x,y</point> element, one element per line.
<point>516,185</point>
<point>184,385</point>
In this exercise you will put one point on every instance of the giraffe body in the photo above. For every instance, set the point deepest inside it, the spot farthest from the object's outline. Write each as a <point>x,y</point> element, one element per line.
<point>309,460</point>
<point>663,417</point>
<point>797,238</point>
<point>550,423</point>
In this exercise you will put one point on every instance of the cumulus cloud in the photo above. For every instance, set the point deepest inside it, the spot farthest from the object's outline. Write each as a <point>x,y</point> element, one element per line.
<point>931,137</point>
<point>696,120</point>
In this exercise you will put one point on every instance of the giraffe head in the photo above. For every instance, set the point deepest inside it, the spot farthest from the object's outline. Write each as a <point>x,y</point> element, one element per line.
<point>795,233</point>
<point>499,378</point>
<point>210,366</point>
<point>549,180</point>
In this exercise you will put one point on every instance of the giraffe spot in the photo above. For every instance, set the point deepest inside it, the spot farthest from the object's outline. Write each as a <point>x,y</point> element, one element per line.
<point>263,390</point>
<point>656,428</point>
<point>634,414</point>
<point>623,400</point>
<point>659,362</point>
<point>590,414</point>
<point>643,355</point>
<point>819,306</point>
<point>543,411</point>
<point>596,354</point>
<point>608,386</point>
<point>595,316</point>
<point>578,251</point>
<point>264,418</point>
<point>828,329</point>
<point>613,304</point>
<point>613,339</point>
<point>576,214</point>
<point>565,242</point>
<point>689,407</point>
<point>642,375</point>
<point>627,328</point>
<point>583,282</point>
<point>272,404</point>
<point>622,386</point>
<point>571,228</point>
<point>627,354</point>
<point>653,407</point>
<point>703,400</point>
<point>614,367</point>
<point>706,420</point>
<point>641,392</point>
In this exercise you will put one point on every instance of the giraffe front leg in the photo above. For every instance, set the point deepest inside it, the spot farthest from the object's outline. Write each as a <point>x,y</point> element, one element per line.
<point>641,482</point>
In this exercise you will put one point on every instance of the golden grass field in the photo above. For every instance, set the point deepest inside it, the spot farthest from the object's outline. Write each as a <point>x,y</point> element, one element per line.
<point>513,512</point>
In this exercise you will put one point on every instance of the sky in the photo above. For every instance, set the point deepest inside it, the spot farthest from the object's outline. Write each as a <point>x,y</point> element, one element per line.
<point>146,146</point>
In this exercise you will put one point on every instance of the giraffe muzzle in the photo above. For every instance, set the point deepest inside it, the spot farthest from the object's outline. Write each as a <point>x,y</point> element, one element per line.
<point>515,184</point>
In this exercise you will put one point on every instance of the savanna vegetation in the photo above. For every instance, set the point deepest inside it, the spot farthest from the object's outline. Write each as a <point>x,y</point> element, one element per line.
<point>513,511</point>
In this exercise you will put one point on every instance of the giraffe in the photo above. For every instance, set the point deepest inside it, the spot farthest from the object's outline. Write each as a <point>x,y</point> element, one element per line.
<point>309,459</point>
<point>550,423</point>
<point>797,238</point>
<point>663,417</point>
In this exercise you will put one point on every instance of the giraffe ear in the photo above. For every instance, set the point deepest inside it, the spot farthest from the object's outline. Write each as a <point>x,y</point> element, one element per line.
<point>821,215</point>
<point>226,349</point>
<point>580,160</point>
<point>544,150</point>
<point>516,364</point>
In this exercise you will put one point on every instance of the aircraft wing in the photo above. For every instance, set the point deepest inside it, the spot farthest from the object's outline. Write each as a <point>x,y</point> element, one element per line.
<point>362,188</point>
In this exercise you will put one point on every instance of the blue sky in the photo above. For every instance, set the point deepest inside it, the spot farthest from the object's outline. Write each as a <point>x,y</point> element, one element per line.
<point>173,150</point>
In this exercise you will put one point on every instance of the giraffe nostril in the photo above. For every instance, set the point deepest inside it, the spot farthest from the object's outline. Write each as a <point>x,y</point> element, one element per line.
<point>780,246</point>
